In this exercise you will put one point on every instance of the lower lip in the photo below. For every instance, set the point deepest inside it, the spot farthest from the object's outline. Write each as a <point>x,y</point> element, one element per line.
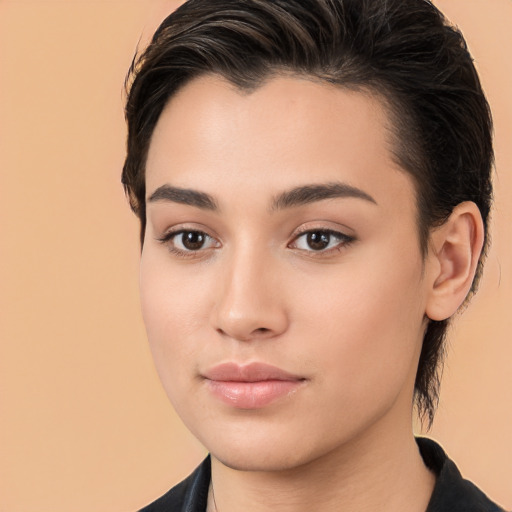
<point>252,395</point>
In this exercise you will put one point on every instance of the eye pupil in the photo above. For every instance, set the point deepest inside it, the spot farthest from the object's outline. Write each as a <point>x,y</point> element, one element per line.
<point>193,240</point>
<point>318,240</point>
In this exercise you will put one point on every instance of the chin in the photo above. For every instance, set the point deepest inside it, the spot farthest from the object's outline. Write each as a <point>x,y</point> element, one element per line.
<point>260,460</point>
<point>266,452</point>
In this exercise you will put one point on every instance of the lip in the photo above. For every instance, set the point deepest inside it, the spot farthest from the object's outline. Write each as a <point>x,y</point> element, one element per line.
<point>250,386</point>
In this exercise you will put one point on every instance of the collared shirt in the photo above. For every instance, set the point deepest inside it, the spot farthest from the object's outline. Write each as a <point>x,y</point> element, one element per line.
<point>452,493</point>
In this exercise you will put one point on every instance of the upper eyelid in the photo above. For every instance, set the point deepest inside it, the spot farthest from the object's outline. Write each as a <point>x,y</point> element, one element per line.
<point>171,235</point>
<point>343,231</point>
<point>333,232</point>
<point>324,230</point>
<point>180,228</point>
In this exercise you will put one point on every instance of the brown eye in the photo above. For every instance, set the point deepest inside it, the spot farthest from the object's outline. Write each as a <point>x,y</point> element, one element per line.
<point>318,240</point>
<point>192,240</point>
<point>188,241</point>
<point>321,240</point>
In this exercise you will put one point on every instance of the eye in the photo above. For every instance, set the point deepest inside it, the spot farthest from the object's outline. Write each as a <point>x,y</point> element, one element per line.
<point>320,240</point>
<point>188,241</point>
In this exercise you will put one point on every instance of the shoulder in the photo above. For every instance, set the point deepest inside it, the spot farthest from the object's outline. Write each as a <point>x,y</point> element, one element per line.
<point>452,493</point>
<point>190,495</point>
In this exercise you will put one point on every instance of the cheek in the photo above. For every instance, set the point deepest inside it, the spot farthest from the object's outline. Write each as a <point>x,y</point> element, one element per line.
<point>367,323</point>
<point>172,315</point>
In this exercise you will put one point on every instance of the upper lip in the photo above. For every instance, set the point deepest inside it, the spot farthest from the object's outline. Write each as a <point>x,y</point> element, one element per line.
<point>252,372</point>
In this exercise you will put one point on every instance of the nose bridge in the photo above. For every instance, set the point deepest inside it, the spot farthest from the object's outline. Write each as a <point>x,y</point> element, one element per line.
<point>249,304</point>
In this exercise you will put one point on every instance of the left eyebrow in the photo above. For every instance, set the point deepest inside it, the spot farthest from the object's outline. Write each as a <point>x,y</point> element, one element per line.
<point>318,192</point>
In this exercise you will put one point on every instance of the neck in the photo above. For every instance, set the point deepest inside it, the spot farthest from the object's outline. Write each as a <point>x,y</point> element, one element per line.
<point>374,472</point>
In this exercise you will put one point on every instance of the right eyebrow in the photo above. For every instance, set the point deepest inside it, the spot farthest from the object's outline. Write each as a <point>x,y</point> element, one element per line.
<point>186,196</point>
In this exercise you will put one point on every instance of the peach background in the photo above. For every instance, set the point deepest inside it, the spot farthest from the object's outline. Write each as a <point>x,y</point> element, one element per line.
<point>85,425</point>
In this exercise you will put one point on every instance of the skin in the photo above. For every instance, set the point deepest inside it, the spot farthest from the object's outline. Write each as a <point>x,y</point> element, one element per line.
<point>349,320</point>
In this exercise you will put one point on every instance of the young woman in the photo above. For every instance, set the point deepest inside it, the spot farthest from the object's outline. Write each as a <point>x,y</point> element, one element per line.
<point>313,184</point>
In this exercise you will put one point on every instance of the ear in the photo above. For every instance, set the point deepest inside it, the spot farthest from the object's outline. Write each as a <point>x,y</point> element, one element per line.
<point>454,251</point>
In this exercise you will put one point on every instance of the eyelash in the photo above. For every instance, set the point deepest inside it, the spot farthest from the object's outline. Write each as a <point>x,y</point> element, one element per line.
<point>343,241</point>
<point>168,239</point>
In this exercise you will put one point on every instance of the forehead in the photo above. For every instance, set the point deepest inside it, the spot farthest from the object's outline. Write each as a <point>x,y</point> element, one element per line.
<point>288,131</point>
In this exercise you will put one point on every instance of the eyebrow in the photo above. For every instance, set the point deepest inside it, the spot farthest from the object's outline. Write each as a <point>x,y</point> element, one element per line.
<point>318,192</point>
<point>184,196</point>
<point>297,196</point>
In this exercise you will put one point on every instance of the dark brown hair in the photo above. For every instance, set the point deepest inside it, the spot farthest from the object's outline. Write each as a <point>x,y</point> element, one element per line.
<point>403,51</point>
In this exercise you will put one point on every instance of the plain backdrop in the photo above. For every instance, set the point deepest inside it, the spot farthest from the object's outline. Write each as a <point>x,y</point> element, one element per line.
<point>84,423</point>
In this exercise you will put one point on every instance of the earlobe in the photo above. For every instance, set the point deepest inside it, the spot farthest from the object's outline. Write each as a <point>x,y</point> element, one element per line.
<point>455,249</point>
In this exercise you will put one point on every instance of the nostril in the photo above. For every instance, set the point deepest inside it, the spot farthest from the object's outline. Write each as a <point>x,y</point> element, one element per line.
<point>255,333</point>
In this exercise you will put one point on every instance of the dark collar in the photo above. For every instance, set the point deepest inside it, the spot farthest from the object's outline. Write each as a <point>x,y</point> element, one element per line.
<point>451,492</point>
<point>191,495</point>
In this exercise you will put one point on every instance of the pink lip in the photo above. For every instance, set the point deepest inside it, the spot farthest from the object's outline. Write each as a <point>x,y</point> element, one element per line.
<point>250,386</point>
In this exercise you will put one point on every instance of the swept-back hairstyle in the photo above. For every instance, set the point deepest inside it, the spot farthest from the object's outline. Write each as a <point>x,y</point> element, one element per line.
<point>402,51</point>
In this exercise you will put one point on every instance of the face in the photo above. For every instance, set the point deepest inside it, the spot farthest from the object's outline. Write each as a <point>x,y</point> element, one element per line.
<point>282,283</point>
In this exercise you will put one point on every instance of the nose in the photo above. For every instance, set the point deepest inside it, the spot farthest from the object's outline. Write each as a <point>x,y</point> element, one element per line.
<point>250,303</point>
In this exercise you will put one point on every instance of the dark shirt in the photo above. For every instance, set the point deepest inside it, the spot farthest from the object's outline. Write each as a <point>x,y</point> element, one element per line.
<point>452,493</point>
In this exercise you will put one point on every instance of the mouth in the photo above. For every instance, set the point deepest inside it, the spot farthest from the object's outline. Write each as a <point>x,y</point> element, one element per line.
<point>251,386</point>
